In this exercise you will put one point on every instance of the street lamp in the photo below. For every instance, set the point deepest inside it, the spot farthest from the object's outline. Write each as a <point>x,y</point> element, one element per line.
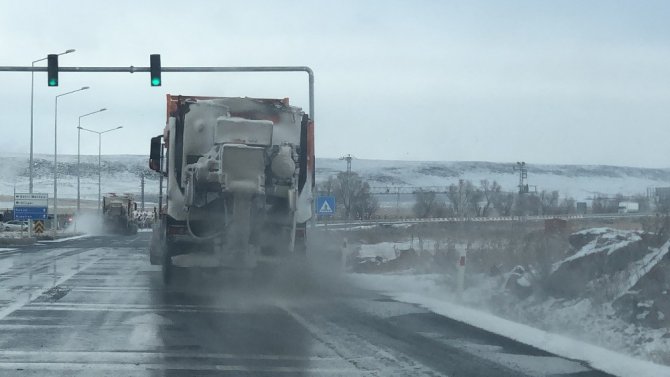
<point>347,194</point>
<point>32,95</point>
<point>100,157</point>
<point>55,225</point>
<point>79,156</point>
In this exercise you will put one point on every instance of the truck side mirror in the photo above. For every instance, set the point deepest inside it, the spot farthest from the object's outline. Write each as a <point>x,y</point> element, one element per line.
<point>155,153</point>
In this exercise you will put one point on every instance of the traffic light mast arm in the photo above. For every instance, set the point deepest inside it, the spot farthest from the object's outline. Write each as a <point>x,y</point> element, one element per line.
<point>133,69</point>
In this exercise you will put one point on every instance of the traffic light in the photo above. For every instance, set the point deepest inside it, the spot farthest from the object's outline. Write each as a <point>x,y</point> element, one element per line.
<point>155,69</point>
<point>52,70</point>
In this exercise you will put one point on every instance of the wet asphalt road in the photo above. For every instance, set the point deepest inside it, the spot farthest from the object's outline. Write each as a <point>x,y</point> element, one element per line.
<point>95,307</point>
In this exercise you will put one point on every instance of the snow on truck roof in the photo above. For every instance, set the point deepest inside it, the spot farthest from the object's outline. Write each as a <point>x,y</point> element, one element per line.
<point>246,104</point>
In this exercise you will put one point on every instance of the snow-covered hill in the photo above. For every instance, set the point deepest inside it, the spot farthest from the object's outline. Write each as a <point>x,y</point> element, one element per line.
<point>578,181</point>
<point>121,173</point>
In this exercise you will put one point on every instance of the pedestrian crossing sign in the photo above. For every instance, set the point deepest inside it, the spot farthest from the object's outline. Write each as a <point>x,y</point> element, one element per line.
<point>325,205</point>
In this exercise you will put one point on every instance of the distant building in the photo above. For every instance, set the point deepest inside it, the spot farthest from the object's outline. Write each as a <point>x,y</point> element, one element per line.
<point>581,207</point>
<point>662,193</point>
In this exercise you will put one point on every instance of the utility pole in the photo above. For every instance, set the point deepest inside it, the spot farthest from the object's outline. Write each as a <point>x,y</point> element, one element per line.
<point>523,177</point>
<point>347,190</point>
<point>142,190</point>
<point>397,203</point>
<point>523,184</point>
<point>461,204</point>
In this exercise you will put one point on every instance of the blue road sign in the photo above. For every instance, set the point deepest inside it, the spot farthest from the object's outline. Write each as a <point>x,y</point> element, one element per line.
<point>30,213</point>
<point>325,205</point>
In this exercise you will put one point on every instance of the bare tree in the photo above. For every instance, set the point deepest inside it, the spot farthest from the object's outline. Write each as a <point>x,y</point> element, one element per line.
<point>567,206</point>
<point>353,194</point>
<point>490,192</point>
<point>428,205</point>
<point>327,187</point>
<point>465,198</point>
<point>548,202</point>
<point>527,204</point>
<point>364,205</point>
<point>503,202</point>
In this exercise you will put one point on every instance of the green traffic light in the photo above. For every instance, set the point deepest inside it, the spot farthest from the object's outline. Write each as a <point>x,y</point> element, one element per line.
<point>53,82</point>
<point>155,81</point>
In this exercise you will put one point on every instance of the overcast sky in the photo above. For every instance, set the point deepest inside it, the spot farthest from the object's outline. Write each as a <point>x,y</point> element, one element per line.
<point>584,82</point>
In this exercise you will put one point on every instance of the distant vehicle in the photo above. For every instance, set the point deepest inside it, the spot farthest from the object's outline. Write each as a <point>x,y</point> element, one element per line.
<point>118,214</point>
<point>629,207</point>
<point>15,225</point>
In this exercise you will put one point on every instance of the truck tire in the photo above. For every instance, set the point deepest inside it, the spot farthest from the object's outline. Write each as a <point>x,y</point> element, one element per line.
<point>165,254</point>
<point>166,263</point>
<point>155,248</point>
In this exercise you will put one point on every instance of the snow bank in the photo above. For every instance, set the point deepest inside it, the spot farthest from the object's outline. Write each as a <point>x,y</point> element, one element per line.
<point>640,268</point>
<point>609,240</point>
<point>423,291</point>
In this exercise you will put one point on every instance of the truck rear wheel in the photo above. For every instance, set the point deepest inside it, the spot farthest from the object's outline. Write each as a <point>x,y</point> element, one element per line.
<point>165,254</point>
<point>155,249</point>
<point>166,264</point>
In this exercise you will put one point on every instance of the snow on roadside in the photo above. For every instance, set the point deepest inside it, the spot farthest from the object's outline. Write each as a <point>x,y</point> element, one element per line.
<point>423,291</point>
<point>390,250</point>
<point>641,267</point>
<point>13,234</point>
<point>603,242</point>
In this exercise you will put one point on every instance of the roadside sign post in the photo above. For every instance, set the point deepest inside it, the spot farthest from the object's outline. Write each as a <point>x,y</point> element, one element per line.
<point>31,206</point>
<point>460,270</point>
<point>325,206</point>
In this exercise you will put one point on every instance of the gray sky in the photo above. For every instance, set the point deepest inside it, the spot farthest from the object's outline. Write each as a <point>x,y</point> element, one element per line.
<point>583,82</point>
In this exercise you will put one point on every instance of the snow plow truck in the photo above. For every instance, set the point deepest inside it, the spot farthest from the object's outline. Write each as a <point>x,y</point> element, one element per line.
<point>238,176</point>
<point>118,214</point>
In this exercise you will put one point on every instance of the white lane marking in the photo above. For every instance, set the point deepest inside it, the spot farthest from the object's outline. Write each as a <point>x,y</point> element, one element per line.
<point>146,330</point>
<point>67,238</point>
<point>65,356</point>
<point>86,306</point>
<point>111,289</point>
<point>122,308</point>
<point>531,365</point>
<point>351,346</point>
<point>173,366</point>
<point>26,299</point>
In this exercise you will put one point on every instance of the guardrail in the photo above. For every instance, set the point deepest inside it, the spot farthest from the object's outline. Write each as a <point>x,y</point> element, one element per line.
<point>352,223</point>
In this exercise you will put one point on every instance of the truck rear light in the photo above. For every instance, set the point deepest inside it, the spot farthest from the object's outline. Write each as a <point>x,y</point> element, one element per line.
<point>176,229</point>
<point>300,233</point>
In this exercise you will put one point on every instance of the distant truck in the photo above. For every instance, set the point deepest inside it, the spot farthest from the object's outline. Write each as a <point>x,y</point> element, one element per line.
<point>118,214</point>
<point>628,207</point>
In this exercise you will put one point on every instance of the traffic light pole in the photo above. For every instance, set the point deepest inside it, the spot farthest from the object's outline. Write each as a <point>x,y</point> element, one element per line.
<point>132,69</point>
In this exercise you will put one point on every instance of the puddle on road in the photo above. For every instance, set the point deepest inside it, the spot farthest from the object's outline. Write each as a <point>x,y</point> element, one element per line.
<point>54,294</point>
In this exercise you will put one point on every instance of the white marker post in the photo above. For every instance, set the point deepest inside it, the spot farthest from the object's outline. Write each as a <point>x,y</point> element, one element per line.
<point>344,253</point>
<point>460,271</point>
